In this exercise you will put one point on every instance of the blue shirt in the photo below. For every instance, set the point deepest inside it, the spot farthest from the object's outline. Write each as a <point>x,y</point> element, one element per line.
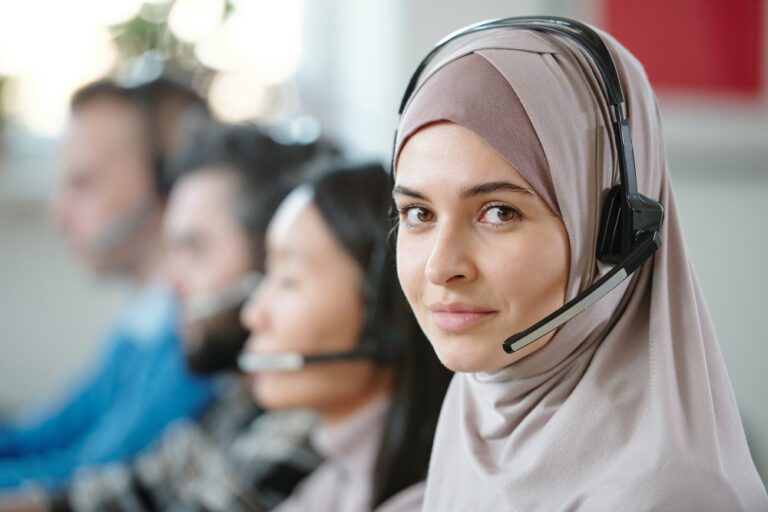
<point>139,385</point>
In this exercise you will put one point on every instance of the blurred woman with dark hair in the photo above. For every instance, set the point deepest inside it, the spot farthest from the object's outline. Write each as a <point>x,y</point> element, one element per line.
<point>331,310</point>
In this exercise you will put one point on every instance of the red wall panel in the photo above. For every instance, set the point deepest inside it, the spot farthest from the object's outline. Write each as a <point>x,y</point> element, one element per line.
<point>711,46</point>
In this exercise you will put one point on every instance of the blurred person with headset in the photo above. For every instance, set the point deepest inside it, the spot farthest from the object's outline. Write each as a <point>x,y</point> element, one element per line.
<point>228,180</point>
<point>109,204</point>
<point>540,248</point>
<point>332,332</point>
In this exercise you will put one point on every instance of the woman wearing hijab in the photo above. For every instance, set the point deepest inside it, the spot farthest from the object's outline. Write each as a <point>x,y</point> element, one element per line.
<point>331,291</point>
<point>503,158</point>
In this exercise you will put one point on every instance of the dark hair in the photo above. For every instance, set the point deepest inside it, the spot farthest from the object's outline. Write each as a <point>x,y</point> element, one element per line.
<point>263,167</point>
<point>354,202</point>
<point>162,105</point>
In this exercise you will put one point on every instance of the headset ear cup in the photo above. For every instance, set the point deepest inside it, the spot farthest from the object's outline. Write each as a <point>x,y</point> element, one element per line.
<point>609,237</point>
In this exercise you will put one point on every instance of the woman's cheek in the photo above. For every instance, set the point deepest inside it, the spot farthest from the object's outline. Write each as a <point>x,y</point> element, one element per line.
<point>410,270</point>
<point>288,318</point>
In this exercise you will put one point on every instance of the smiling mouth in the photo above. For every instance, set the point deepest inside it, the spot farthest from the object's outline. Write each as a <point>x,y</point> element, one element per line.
<point>458,321</point>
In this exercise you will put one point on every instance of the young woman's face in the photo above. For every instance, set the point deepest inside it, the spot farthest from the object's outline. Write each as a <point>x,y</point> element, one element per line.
<point>480,255</point>
<point>310,302</point>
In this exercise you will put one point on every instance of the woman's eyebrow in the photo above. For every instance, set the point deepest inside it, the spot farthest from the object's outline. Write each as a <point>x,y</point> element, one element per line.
<point>476,190</point>
<point>494,186</point>
<point>405,191</point>
<point>285,254</point>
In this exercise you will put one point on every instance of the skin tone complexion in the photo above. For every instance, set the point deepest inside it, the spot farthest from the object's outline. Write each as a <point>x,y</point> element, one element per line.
<point>480,255</point>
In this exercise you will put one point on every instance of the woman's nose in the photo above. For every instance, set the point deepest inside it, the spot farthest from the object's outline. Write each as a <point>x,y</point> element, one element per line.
<point>450,259</point>
<point>253,314</point>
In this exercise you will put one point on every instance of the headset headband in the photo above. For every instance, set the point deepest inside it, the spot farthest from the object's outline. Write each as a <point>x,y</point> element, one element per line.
<point>580,33</point>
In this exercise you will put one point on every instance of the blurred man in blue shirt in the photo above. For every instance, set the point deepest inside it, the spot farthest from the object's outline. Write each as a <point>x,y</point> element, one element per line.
<point>109,204</point>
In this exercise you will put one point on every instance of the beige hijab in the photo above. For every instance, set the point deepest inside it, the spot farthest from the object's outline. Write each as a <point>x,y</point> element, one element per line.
<point>629,407</point>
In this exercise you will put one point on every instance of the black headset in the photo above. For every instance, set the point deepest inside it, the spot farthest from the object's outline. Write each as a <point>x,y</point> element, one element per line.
<point>630,222</point>
<point>145,99</point>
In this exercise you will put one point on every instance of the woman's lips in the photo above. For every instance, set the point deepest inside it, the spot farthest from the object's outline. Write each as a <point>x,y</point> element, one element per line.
<point>457,317</point>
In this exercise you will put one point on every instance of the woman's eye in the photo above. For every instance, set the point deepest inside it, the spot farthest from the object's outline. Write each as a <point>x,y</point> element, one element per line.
<point>285,282</point>
<point>278,281</point>
<point>499,215</point>
<point>416,216</point>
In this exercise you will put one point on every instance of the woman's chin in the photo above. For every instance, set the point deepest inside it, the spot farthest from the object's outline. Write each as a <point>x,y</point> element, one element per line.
<point>481,352</point>
<point>268,395</point>
<point>461,354</point>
